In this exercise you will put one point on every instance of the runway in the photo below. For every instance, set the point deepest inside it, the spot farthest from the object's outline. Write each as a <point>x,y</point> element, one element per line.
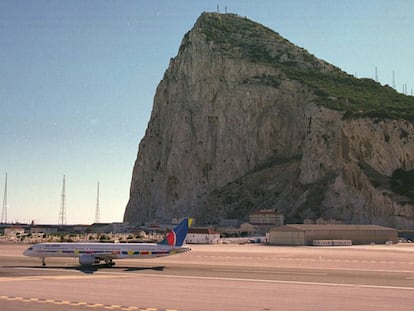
<point>217,277</point>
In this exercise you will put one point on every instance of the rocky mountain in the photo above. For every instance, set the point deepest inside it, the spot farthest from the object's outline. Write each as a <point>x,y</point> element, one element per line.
<point>245,120</point>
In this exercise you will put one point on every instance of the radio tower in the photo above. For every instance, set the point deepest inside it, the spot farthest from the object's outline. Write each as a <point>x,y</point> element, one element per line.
<point>4,210</point>
<point>97,214</point>
<point>62,212</point>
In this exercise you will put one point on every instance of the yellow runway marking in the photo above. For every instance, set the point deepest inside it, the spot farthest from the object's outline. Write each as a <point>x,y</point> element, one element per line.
<point>80,303</point>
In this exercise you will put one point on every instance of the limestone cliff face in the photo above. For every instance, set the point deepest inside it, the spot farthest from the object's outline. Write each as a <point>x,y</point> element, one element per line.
<point>232,131</point>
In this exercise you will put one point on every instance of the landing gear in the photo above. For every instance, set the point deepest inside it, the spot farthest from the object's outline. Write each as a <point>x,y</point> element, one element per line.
<point>109,262</point>
<point>43,262</point>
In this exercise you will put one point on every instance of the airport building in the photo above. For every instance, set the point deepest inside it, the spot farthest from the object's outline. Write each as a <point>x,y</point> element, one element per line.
<point>308,234</point>
<point>266,217</point>
<point>202,236</point>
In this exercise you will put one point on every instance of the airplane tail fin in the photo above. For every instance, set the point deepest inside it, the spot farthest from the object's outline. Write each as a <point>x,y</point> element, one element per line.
<point>179,233</point>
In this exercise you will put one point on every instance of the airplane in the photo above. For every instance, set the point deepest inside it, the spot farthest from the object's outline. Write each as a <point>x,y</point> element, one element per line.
<point>93,253</point>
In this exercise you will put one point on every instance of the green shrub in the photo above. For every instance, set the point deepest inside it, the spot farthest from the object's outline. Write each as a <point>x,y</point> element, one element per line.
<point>402,182</point>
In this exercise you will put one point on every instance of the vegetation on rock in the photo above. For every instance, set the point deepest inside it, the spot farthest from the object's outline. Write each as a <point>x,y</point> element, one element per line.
<point>402,182</point>
<point>235,36</point>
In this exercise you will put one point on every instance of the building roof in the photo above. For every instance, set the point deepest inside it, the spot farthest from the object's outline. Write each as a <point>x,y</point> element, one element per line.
<point>263,213</point>
<point>324,227</point>
<point>201,231</point>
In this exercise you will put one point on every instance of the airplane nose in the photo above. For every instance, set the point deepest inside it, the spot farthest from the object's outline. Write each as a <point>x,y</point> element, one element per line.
<point>28,251</point>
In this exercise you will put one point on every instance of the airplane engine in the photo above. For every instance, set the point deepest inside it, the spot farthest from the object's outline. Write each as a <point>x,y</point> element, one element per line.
<point>87,260</point>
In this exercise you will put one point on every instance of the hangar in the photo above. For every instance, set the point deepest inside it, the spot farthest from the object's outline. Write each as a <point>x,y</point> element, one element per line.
<point>306,234</point>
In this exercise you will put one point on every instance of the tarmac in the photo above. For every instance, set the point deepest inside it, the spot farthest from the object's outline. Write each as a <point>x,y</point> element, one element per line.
<point>217,277</point>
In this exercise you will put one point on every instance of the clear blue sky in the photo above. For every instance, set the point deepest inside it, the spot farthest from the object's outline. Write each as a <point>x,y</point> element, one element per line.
<point>77,81</point>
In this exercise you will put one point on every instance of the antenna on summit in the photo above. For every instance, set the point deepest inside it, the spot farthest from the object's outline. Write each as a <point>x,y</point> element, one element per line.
<point>393,79</point>
<point>376,74</point>
<point>404,88</point>
<point>4,209</point>
<point>62,212</point>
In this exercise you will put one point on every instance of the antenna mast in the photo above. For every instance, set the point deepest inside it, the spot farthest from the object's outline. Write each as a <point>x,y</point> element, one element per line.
<point>97,213</point>
<point>4,210</point>
<point>393,79</point>
<point>62,212</point>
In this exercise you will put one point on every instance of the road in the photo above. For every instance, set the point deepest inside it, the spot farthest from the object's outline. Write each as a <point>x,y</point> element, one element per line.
<point>217,277</point>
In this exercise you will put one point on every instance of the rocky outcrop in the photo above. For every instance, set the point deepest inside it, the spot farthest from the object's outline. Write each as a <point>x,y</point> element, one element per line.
<point>238,124</point>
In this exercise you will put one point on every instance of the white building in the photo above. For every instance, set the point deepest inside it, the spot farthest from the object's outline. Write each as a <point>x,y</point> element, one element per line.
<point>267,217</point>
<point>202,236</point>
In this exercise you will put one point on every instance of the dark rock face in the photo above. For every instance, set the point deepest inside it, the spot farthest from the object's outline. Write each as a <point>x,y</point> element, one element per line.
<point>244,120</point>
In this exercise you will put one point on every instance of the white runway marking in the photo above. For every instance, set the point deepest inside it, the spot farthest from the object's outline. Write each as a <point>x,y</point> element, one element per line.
<point>272,272</point>
<point>276,281</point>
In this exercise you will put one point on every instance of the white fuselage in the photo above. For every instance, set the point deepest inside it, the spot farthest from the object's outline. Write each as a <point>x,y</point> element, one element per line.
<point>103,250</point>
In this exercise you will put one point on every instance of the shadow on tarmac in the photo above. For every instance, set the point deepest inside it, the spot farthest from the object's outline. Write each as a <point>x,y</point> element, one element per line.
<point>93,268</point>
